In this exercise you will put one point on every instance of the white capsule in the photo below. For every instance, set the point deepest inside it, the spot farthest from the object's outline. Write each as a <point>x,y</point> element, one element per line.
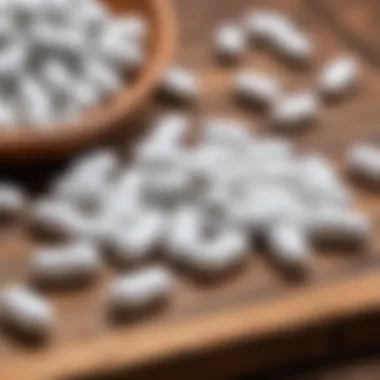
<point>289,244</point>
<point>257,88</point>
<point>136,241</point>
<point>218,254</point>
<point>170,130</point>
<point>35,101</point>
<point>140,289</point>
<point>229,41</point>
<point>292,44</point>
<point>183,231</point>
<point>261,25</point>
<point>8,114</point>
<point>85,94</point>
<point>103,78</point>
<point>339,76</point>
<point>49,39</point>
<point>295,110</point>
<point>364,160</point>
<point>26,311</point>
<point>331,225</point>
<point>226,132</point>
<point>103,161</point>
<point>132,28</point>
<point>270,149</point>
<point>180,84</point>
<point>59,218</point>
<point>13,59</point>
<point>317,180</point>
<point>57,77</point>
<point>121,53</point>
<point>12,199</point>
<point>65,264</point>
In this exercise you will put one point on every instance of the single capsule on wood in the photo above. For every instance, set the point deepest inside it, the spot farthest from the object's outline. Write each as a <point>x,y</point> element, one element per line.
<point>26,311</point>
<point>331,225</point>
<point>364,161</point>
<point>65,264</point>
<point>229,41</point>
<point>260,25</point>
<point>339,77</point>
<point>289,245</point>
<point>12,199</point>
<point>295,110</point>
<point>140,289</point>
<point>257,88</point>
<point>293,45</point>
<point>180,84</point>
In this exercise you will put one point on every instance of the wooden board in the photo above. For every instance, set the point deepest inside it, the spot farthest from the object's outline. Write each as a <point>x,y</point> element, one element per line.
<point>259,301</point>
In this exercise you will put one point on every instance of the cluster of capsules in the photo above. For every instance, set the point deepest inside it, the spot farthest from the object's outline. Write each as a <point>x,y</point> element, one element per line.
<point>203,205</point>
<point>61,57</point>
<point>278,33</point>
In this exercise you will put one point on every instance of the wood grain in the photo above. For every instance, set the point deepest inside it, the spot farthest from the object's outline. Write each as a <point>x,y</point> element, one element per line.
<point>261,300</point>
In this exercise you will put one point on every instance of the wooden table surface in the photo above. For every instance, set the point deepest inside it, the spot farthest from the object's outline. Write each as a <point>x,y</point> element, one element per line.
<point>270,320</point>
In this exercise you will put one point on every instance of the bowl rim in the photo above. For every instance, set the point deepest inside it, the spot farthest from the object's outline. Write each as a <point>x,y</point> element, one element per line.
<point>36,143</point>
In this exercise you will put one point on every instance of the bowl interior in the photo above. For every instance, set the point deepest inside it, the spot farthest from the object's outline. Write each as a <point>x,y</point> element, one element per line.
<point>35,143</point>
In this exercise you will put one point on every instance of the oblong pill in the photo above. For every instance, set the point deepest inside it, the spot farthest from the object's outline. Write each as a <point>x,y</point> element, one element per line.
<point>26,311</point>
<point>140,289</point>
<point>65,264</point>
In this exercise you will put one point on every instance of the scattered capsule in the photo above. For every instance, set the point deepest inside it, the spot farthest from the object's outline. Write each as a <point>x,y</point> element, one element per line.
<point>26,311</point>
<point>339,77</point>
<point>289,244</point>
<point>65,264</point>
<point>180,84</point>
<point>295,110</point>
<point>140,289</point>
<point>229,42</point>
<point>12,199</point>
<point>257,88</point>
<point>364,160</point>
<point>261,25</point>
<point>331,225</point>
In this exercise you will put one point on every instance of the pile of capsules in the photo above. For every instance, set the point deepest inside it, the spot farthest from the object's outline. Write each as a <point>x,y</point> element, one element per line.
<point>60,57</point>
<point>203,204</point>
<point>278,33</point>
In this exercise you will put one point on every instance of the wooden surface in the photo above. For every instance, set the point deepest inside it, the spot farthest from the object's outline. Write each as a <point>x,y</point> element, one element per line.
<point>225,323</point>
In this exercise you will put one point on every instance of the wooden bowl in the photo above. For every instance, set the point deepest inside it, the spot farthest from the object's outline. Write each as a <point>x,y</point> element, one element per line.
<point>25,143</point>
